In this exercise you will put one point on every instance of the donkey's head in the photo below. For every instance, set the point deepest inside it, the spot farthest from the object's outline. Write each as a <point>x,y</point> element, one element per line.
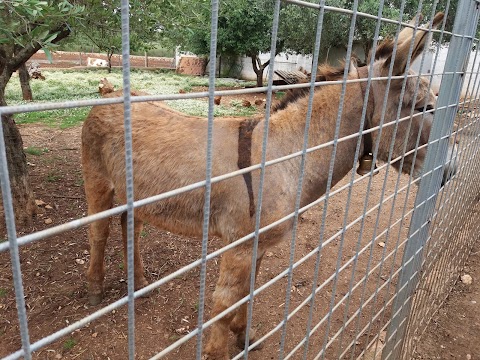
<point>414,108</point>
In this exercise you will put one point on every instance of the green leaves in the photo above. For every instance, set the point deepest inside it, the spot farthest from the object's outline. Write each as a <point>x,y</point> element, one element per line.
<point>31,21</point>
<point>103,25</point>
<point>48,54</point>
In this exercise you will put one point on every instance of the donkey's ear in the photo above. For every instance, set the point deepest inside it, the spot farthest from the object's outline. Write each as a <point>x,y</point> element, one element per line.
<point>422,37</point>
<point>407,33</point>
<point>385,48</point>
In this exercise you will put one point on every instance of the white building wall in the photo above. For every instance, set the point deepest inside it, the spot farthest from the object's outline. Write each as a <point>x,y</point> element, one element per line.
<point>428,68</point>
<point>282,62</point>
<point>289,62</point>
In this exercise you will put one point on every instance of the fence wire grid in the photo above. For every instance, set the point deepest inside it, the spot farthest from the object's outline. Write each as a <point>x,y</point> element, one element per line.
<point>363,271</point>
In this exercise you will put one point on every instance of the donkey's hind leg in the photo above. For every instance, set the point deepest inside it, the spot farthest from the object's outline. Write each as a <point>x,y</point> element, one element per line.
<point>233,284</point>
<point>139,280</point>
<point>99,193</point>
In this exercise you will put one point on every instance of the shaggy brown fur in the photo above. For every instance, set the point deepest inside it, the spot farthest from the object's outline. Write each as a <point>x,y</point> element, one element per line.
<point>169,151</point>
<point>325,73</point>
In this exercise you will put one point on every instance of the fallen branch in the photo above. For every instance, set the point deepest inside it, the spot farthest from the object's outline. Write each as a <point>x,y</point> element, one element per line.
<point>67,197</point>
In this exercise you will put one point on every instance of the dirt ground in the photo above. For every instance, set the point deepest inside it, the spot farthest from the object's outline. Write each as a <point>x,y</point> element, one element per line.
<point>55,286</point>
<point>454,333</point>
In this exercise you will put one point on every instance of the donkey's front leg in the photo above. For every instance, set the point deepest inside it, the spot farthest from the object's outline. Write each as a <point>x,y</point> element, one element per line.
<point>99,197</point>
<point>138,272</point>
<point>233,284</point>
<point>97,235</point>
<point>239,323</point>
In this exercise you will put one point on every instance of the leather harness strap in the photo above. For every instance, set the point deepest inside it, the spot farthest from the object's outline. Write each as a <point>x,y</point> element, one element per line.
<point>367,138</point>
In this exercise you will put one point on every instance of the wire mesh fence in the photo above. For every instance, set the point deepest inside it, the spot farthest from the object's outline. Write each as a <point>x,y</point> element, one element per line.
<point>365,260</point>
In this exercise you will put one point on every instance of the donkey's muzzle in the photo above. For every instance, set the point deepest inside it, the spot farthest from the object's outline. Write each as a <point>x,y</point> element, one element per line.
<point>450,168</point>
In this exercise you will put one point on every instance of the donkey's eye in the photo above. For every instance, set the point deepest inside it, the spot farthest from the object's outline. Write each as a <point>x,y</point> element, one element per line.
<point>428,108</point>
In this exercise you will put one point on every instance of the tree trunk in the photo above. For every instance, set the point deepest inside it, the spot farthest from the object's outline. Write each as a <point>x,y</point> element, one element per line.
<point>258,67</point>
<point>22,194</point>
<point>109,57</point>
<point>11,59</point>
<point>204,65</point>
<point>25,82</point>
<point>260,78</point>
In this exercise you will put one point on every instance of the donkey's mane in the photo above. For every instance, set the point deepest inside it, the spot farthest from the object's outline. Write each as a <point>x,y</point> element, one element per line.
<point>384,49</point>
<point>325,72</point>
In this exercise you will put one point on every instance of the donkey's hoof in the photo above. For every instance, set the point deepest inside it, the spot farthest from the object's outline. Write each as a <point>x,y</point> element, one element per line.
<point>215,355</point>
<point>241,344</point>
<point>251,335</point>
<point>95,299</point>
<point>210,357</point>
<point>140,284</point>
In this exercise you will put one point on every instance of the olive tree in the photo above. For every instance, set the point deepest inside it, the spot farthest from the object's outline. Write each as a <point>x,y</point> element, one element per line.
<point>26,27</point>
<point>103,27</point>
<point>244,28</point>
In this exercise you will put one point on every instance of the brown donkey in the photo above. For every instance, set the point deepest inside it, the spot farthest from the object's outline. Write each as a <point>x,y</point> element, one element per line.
<point>169,150</point>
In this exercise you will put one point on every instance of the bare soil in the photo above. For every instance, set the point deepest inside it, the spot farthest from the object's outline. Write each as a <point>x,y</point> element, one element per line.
<point>454,333</point>
<point>55,285</point>
<point>54,272</point>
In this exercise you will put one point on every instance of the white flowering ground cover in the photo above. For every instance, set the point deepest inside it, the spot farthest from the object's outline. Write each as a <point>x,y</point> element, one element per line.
<point>63,85</point>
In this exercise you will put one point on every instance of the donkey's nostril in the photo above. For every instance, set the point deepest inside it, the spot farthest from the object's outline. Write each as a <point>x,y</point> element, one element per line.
<point>449,171</point>
<point>451,164</point>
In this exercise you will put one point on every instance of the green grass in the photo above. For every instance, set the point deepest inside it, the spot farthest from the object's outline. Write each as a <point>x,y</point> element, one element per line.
<point>3,292</point>
<point>61,118</point>
<point>32,150</point>
<point>64,85</point>
<point>53,177</point>
<point>69,344</point>
<point>195,307</point>
<point>79,181</point>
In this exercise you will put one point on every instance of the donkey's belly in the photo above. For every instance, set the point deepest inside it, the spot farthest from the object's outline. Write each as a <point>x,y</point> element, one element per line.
<point>174,215</point>
<point>177,226</point>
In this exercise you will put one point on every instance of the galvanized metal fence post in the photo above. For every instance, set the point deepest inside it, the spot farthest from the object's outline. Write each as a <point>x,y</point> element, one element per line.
<point>127,111</point>
<point>464,30</point>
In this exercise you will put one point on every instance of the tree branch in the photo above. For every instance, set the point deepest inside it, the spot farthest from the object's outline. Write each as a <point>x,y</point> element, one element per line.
<point>27,52</point>
<point>33,26</point>
<point>92,39</point>
<point>265,64</point>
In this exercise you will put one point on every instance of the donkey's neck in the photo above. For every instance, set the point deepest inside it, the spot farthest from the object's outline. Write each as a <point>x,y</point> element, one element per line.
<point>288,127</point>
<point>289,124</point>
